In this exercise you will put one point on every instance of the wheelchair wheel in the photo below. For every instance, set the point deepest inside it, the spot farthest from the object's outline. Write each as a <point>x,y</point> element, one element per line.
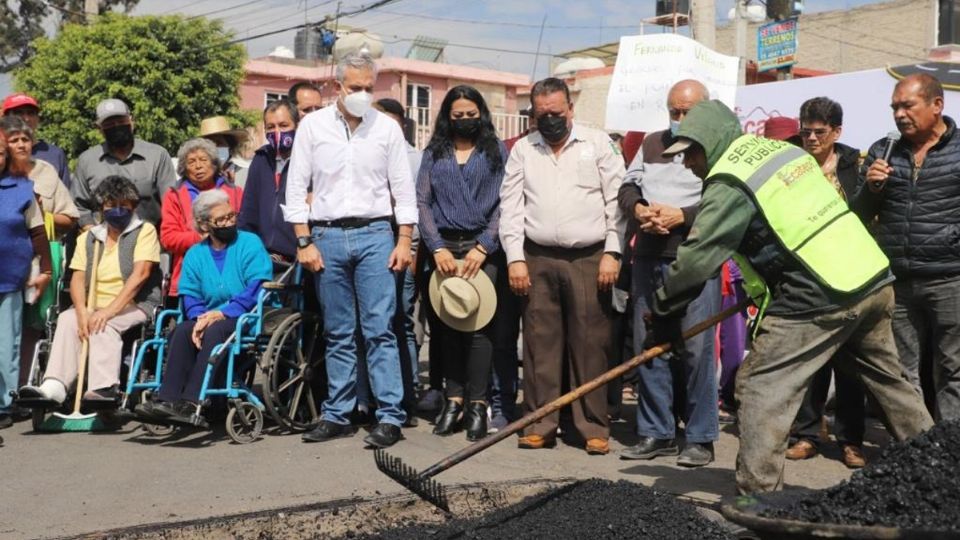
<point>154,430</point>
<point>244,422</point>
<point>294,372</point>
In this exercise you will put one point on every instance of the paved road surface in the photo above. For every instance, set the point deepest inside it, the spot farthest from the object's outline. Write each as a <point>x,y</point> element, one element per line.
<point>72,483</point>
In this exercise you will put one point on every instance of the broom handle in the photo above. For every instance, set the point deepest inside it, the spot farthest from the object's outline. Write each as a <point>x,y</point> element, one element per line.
<point>574,395</point>
<point>85,347</point>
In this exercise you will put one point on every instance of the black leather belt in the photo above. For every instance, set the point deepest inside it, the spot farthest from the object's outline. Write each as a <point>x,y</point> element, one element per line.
<point>455,235</point>
<point>349,223</point>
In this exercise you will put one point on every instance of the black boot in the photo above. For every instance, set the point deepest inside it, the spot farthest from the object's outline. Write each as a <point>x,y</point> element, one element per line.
<point>448,421</point>
<point>475,420</point>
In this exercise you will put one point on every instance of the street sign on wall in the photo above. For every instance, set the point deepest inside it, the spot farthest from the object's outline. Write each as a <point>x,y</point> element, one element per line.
<point>777,44</point>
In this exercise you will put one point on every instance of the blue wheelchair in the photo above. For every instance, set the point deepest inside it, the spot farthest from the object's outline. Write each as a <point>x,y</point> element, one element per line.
<point>273,365</point>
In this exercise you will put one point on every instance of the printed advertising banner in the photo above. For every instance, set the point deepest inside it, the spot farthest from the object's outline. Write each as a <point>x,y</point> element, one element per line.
<point>864,96</point>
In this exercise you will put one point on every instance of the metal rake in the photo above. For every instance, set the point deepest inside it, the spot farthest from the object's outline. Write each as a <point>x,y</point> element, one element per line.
<point>432,491</point>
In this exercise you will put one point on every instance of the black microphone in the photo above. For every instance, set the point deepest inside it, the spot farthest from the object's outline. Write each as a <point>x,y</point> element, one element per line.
<point>892,139</point>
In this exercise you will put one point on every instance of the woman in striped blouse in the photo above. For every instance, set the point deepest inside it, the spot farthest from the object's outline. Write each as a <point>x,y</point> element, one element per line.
<point>458,196</point>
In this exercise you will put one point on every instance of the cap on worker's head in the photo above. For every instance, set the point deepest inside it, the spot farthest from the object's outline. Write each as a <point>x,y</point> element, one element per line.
<point>109,108</point>
<point>781,128</point>
<point>682,144</point>
<point>14,101</point>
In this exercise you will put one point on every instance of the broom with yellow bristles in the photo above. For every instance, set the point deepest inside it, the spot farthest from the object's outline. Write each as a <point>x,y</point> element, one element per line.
<point>76,421</point>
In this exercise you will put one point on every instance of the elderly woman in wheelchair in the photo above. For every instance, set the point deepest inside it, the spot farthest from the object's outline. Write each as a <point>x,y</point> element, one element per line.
<point>221,279</point>
<point>126,287</point>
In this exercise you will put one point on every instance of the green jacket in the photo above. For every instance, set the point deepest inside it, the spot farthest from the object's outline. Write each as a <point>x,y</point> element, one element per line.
<point>729,222</point>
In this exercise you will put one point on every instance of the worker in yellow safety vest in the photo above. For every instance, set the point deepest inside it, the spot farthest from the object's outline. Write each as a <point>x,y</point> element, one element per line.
<point>821,281</point>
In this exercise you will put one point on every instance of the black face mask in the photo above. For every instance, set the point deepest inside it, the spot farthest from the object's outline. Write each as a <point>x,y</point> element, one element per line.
<point>468,128</point>
<point>224,234</point>
<point>553,128</point>
<point>119,136</point>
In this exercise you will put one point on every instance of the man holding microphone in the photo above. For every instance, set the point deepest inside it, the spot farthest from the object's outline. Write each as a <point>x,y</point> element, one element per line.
<point>910,201</point>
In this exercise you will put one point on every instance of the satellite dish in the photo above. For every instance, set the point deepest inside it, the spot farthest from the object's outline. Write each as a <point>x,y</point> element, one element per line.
<point>362,42</point>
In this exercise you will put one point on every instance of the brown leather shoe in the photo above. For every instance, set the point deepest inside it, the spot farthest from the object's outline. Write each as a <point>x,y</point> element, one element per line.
<point>853,457</point>
<point>802,449</point>
<point>535,442</point>
<point>598,447</point>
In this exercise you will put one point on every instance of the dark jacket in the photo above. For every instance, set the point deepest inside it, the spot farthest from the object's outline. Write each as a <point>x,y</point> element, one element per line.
<point>848,170</point>
<point>917,224</point>
<point>260,210</point>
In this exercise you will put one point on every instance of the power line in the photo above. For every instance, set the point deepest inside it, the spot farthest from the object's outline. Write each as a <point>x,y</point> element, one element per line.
<point>297,12</point>
<point>191,3</point>
<point>361,9</point>
<point>507,23</point>
<point>221,10</point>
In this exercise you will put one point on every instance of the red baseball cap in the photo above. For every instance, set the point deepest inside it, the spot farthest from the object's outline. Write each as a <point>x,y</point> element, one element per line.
<point>14,101</point>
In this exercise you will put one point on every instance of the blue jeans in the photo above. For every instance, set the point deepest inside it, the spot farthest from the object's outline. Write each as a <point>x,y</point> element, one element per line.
<point>696,369</point>
<point>403,324</point>
<point>356,283</point>
<point>11,313</point>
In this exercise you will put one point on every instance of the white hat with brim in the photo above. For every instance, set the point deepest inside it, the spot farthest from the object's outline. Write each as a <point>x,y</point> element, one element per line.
<point>463,304</point>
<point>681,145</point>
<point>220,125</point>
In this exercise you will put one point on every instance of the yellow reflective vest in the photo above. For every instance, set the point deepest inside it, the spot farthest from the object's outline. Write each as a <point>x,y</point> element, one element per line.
<point>808,217</point>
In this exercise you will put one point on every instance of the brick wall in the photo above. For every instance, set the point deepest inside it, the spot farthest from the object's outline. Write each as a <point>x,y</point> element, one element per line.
<point>889,33</point>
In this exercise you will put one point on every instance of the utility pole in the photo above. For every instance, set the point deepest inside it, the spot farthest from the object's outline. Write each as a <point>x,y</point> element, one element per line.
<point>740,23</point>
<point>704,28</point>
<point>91,8</point>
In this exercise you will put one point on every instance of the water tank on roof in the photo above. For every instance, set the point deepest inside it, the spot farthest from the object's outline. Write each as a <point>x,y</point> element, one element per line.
<point>308,44</point>
<point>358,42</point>
<point>573,65</point>
<point>666,7</point>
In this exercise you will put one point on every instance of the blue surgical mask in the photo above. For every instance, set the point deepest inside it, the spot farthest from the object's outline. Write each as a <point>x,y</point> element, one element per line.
<point>674,127</point>
<point>118,218</point>
<point>224,154</point>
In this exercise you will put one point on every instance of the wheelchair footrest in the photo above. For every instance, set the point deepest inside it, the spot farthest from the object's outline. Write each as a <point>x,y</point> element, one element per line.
<point>36,403</point>
<point>100,405</point>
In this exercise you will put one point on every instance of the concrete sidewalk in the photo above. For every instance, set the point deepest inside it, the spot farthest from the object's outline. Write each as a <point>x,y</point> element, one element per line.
<point>72,483</point>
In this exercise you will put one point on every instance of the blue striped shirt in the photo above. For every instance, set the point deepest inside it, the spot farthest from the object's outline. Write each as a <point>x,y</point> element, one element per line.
<point>467,200</point>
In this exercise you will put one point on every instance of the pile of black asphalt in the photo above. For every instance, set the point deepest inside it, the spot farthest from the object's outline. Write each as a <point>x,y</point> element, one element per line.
<point>914,484</point>
<point>590,509</point>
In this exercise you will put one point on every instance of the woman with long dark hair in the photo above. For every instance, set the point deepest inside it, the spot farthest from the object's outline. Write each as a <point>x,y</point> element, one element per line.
<point>458,195</point>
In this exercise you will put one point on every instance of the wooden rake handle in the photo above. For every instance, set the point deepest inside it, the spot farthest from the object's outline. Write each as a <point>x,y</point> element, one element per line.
<point>574,395</point>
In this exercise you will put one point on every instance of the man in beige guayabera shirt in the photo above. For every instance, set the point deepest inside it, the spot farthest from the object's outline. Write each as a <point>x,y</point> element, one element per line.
<point>560,227</point>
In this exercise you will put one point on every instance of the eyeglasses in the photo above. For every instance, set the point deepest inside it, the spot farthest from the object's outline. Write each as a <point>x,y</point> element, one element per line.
<point>676,113</point>
<point>819,132</point>
<point>224,220</point>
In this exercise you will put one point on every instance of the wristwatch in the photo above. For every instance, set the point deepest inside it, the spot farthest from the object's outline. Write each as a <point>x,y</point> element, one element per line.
<point>304,242</point>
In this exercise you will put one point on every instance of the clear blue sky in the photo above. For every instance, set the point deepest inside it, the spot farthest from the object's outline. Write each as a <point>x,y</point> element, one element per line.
<point>596,22</point>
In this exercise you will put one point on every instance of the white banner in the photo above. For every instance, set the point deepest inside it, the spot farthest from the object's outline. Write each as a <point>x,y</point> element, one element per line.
<point>864,96</point>
<point>647,66</point>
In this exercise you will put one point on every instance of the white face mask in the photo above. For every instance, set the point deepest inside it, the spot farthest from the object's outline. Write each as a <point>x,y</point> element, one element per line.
<point>358,103</point>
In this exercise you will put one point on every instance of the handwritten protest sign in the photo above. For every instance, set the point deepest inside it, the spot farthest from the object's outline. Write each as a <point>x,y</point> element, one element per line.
<point>647,66</point>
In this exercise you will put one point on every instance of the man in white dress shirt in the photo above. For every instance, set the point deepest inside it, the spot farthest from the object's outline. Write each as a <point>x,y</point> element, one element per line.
<point>355,158</point>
